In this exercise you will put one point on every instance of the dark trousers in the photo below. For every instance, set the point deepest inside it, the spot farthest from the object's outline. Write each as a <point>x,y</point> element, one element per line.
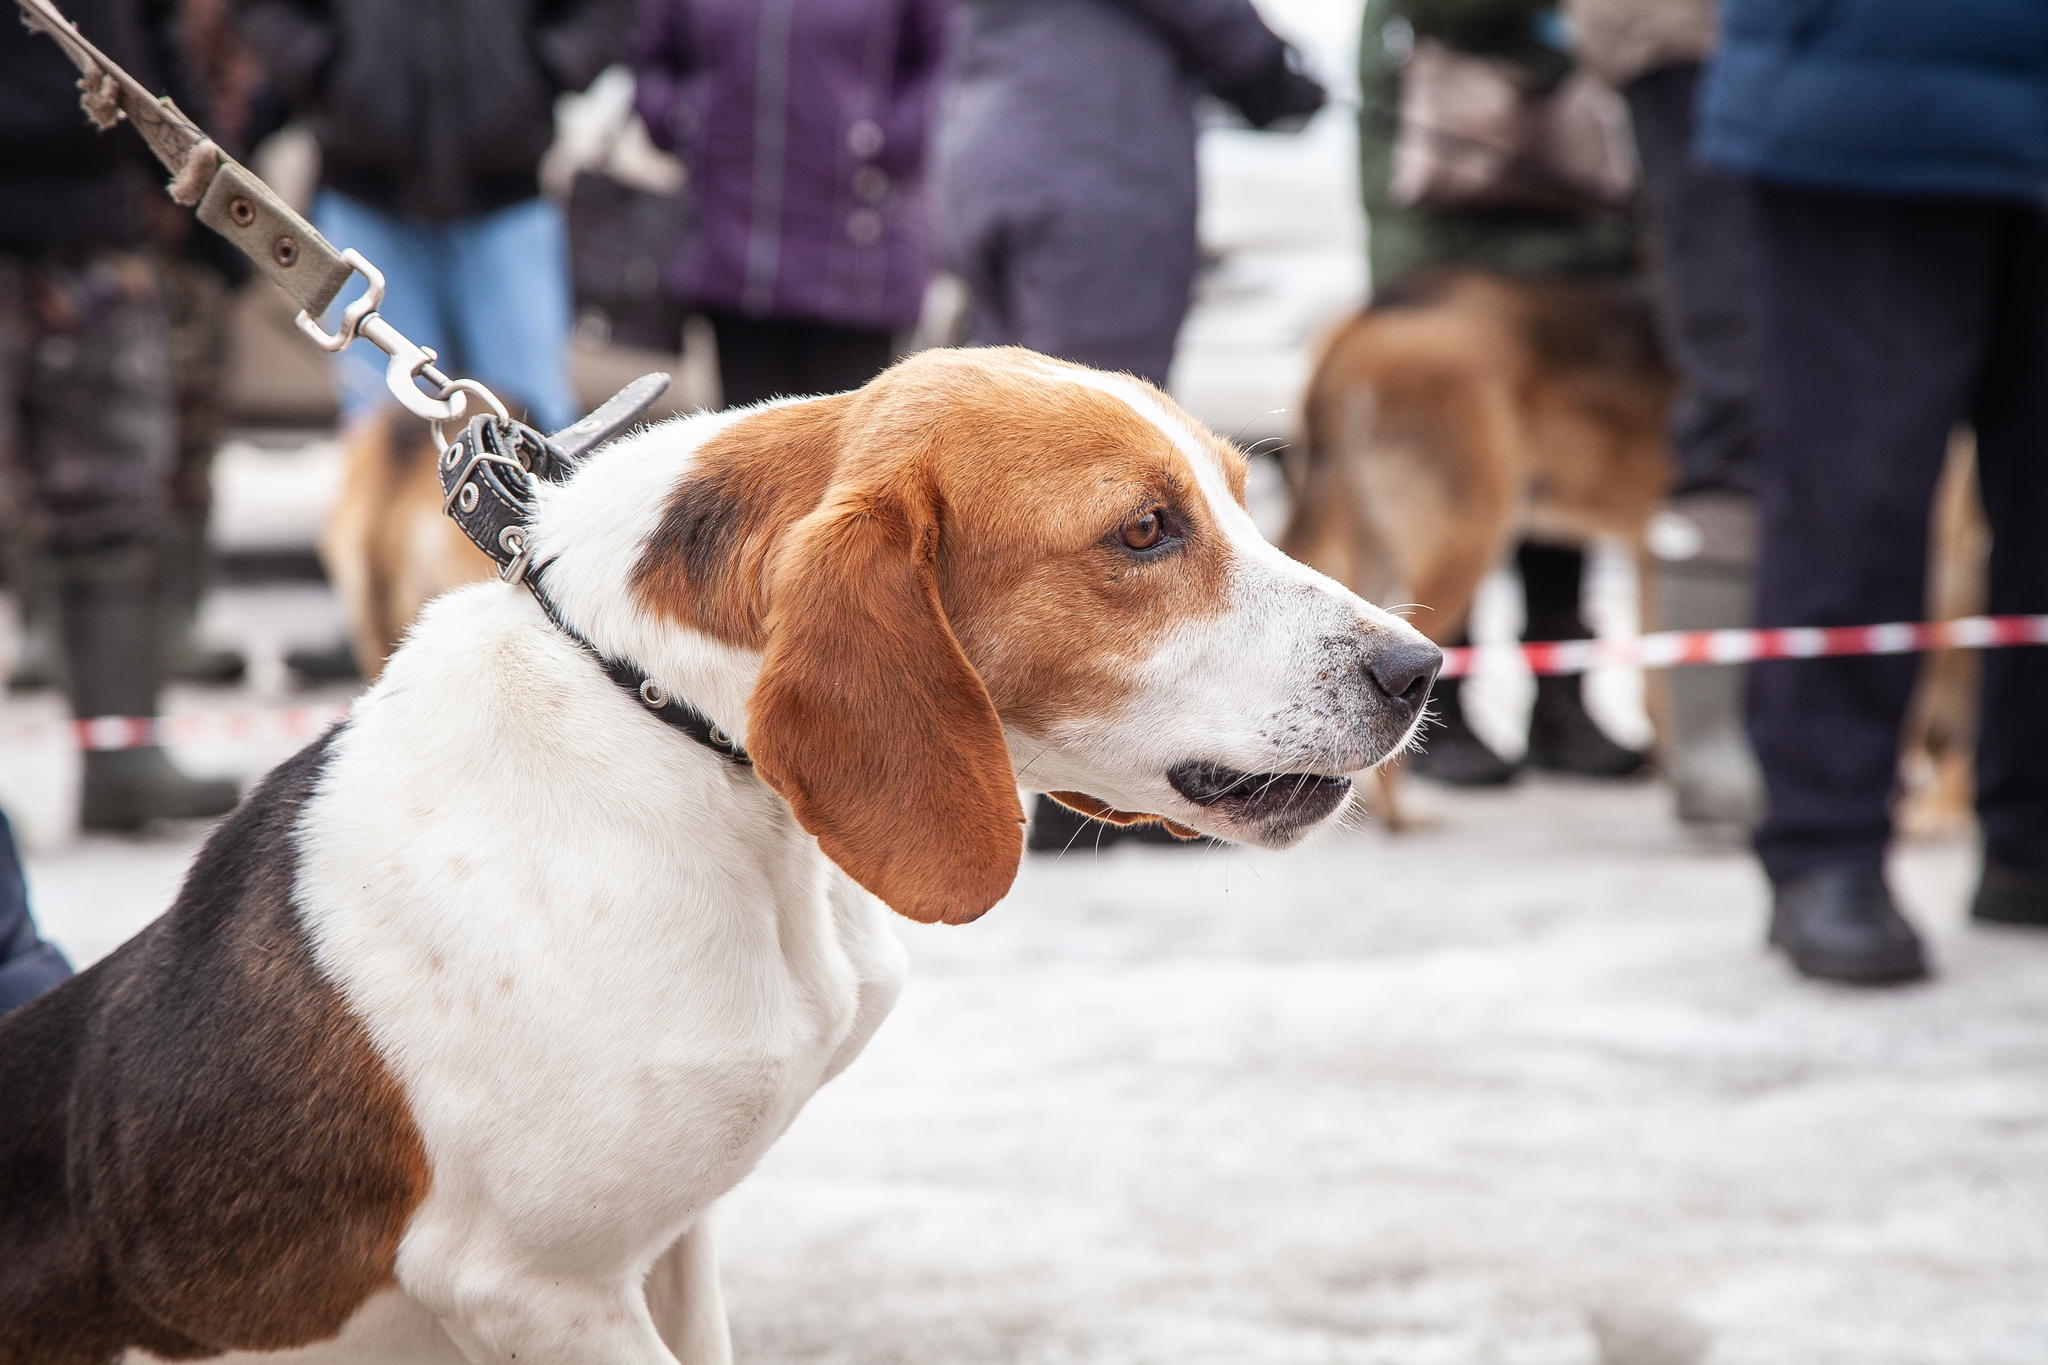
<point>1705,224</point>
<point>28,966</point>
<point>1882,323</point>
<point>762,358</point>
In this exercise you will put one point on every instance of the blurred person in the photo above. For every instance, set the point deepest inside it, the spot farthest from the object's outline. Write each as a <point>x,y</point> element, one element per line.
<point>201,272</point>
<point>28,966</point>
<point>1515,241</point>
<point>803,127</point>
<point>431,121</point>
<point>1065,178</point>
<point>1702,267</point>
<point>1064,164</point>
<point>88,425</point>
<point>1899,157</point>
<point>198,272</point>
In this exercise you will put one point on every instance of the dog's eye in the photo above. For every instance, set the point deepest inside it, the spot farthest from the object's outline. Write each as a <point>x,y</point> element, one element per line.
<point>1142,533</point>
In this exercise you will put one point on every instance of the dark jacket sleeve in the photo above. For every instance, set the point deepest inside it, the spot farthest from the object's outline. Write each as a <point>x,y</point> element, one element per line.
<point>576,39</point>
<point>663,54</point>
<point>1224,40</point>
<point>920,51</point>
<point>294,39</point>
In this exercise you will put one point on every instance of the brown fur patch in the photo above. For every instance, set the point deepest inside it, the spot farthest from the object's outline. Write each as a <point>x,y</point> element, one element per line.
<point>706,564</point>
<point>202,1151</point>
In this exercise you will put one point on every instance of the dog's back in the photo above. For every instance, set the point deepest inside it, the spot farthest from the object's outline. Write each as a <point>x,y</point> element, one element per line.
<point>1463,408</point>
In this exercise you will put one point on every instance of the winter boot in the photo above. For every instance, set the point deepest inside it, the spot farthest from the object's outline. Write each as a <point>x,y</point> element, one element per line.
<point>109,603</point>
<point>317,664</point>
<point>1839,923</point>
<point>40,662</point>
<point>1056,828</point>
<point>1452,752</point>
<point>1564,738</point>
<point>1706,549</point>
<point>186,571</point>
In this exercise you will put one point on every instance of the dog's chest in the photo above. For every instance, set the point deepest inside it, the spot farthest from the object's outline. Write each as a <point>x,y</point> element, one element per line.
<point>607,973</point>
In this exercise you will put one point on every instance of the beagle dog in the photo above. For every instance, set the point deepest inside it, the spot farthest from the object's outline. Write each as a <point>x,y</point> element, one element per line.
<point>462,1023</point>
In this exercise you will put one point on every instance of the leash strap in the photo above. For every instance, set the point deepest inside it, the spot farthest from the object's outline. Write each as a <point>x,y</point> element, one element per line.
<point>487,477</point>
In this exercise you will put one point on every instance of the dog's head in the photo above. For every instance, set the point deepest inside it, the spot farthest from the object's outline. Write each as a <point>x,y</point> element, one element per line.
<point>988,568</point>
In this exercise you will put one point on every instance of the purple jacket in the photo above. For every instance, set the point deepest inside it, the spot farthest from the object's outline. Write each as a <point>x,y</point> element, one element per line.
<point>803,125</point>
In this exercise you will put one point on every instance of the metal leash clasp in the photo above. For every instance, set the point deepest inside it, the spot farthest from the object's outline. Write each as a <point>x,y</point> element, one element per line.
<point>409,362</point>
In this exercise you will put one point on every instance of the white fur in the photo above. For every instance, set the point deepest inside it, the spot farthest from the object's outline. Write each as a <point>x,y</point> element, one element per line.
<point>607,967</point>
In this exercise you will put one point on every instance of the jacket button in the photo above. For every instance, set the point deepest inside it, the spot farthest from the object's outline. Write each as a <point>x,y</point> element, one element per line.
<point>871,183</point>
<point>865,138</point>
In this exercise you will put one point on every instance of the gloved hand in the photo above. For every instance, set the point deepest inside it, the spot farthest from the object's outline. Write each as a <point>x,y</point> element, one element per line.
<point>1281,97</point>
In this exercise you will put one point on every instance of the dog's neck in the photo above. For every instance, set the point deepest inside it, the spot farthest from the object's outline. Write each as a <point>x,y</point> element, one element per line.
<point>589,533</point>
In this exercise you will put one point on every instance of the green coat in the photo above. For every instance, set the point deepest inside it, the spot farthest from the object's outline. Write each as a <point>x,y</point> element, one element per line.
<point>1511,241</point>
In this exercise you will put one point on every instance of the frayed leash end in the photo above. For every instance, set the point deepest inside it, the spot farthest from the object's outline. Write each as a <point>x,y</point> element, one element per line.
<point>196,174</point>
<point>100,94</point>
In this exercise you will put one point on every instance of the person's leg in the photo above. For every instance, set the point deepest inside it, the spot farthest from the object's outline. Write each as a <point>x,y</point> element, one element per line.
<point>200,310</point>
<point>976,240</point>
<point>756,358</point>
<point>833,359</point>
<point>509,300</point>
<point>1872,314</point>
<point>2011,416</point>
<point>1562,736</point>
<point>406,253</point>
<point>98,433</point>
<point>1705,223</point>
<point>1103,285</point>
<point>1703,271</point>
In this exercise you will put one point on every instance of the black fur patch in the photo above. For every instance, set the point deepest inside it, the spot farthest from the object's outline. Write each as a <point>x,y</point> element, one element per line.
<point>199,1148</point>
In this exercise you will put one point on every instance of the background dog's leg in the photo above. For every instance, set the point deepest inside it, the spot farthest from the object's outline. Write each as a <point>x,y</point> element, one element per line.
<point>684,1298</point>
<point>1656,682</point>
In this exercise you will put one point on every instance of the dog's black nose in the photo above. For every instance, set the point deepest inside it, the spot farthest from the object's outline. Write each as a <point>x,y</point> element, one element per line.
<point>1404,671</point>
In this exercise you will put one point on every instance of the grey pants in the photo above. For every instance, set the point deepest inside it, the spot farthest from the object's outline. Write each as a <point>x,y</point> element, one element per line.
<point>1101,284</point>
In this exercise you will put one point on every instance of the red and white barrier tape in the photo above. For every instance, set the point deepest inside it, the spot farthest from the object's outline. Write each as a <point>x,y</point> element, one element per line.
<point>1678,648</point>
<point>188,727</point>
<point>1666,649</point>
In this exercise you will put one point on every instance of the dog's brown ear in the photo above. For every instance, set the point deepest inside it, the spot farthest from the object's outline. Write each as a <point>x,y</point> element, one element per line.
<point>868,719</point>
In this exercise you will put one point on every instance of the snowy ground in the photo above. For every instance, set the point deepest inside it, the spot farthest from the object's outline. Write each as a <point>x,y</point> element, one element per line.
<point>1518,1088</point>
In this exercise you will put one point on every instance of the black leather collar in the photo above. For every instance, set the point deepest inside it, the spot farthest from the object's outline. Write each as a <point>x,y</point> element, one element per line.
<point>487,477</point>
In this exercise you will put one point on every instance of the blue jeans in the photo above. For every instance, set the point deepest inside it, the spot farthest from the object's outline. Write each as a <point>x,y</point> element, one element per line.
<point>489,294</point>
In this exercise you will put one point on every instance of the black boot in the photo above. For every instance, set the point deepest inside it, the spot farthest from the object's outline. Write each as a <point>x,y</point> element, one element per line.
<point>1452,752</point>
<point>109,604</point>
<point>315,664</point>
<point>1839,924</point>
<point>1055,829</point>
<point>1564,739</point>
<point>2011,895</point>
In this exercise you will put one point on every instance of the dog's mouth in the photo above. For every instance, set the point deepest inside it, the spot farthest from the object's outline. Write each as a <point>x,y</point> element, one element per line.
<point>1274,802</point>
